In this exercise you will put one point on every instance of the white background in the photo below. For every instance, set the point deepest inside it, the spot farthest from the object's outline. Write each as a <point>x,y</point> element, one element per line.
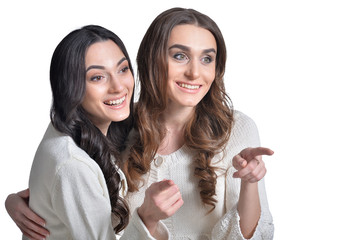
<point>293,66</point>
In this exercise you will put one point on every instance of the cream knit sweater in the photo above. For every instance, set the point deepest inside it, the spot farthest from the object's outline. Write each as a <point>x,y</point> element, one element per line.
<point>191,221</point>
<point>68,190</point>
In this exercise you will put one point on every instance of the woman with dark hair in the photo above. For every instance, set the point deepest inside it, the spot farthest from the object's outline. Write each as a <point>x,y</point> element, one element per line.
<point>75,184</point>
<point>187,131</point>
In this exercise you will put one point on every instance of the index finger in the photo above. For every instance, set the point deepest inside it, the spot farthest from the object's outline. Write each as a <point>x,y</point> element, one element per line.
<point>251,153</point>
<point>28,213</point>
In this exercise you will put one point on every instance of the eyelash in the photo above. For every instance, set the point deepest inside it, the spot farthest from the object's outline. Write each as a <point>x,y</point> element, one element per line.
<point>177,55</point>
<point>124,69</point>
<point>210,59</point>
<point>96,78</point>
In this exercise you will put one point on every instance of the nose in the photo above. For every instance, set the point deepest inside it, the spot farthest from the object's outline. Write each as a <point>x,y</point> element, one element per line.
<point>116,84</point>
<point>192,71</point>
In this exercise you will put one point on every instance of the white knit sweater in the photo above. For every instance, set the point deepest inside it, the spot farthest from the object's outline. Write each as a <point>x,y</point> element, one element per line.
<point>191,221</point>
<point>68,190</point>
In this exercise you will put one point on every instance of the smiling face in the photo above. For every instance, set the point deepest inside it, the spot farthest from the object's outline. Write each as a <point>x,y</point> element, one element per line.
<point>192,54</point>
<point>109,85</point>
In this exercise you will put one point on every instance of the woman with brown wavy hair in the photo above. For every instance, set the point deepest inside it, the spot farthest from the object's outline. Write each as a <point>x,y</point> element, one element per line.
<point>187,131</point>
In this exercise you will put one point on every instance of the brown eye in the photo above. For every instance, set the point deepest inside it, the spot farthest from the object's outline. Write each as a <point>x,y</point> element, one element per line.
<point>124,69</point>
<point>96,78</point>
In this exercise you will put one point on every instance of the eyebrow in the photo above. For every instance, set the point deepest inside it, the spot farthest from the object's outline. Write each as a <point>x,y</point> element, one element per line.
<point>187,49</point>
<point>102,67</point>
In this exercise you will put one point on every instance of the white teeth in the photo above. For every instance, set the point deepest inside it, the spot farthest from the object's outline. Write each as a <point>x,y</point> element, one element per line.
<point>183,85</point>
<point>116,102</point>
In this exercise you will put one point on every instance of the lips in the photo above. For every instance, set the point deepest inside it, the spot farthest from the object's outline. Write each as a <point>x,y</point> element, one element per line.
<point>115,102</point>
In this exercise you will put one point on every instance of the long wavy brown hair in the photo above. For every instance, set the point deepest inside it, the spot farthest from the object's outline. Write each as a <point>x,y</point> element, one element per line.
<point>209,128</point>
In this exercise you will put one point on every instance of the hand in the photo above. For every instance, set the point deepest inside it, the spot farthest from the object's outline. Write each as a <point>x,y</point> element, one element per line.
<point>249,164</point>
<point>30,224</point>
<point>162,199</point>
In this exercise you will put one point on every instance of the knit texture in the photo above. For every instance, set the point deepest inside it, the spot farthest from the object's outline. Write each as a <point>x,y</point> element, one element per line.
<point>192,220</point>
<point>68,190</point>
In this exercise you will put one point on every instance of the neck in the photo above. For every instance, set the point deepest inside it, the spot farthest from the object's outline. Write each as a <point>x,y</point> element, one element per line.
<point>177,118</point>
<point>174,120</point>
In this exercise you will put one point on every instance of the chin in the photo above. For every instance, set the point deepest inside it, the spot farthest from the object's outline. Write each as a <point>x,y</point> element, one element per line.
<point>191,103</point>
<point>120,118</point>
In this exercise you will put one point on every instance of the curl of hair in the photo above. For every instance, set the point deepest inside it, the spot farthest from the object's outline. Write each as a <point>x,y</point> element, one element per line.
<point>67,78</point>
<point>209,129</point>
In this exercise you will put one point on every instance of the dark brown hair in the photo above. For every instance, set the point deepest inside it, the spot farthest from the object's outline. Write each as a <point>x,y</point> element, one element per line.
<point>208,130</point>
<point>67,78</point>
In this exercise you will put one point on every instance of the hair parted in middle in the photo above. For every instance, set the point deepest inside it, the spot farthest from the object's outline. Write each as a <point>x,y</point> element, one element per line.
<point>208,130</point>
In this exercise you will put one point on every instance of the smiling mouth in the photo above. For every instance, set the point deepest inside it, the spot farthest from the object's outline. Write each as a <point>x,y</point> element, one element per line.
<point>115,102</point>
<point>188,86</point>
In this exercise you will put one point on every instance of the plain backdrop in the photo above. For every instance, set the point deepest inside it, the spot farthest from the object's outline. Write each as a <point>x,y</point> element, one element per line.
<point>293,66</point>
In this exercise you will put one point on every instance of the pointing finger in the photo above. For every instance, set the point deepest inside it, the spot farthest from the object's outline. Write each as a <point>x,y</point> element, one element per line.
<point>251,153</point>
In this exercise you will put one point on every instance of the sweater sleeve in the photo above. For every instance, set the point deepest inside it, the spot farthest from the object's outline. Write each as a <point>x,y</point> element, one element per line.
<point>137,230</point>
<point>245,134</point>
<point>81,201</point>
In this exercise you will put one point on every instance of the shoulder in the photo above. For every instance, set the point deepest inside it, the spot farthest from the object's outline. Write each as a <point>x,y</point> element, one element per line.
<point>244,133</point>
<point>243,124</point>
<point>60,164</point>
<point>57,151</point>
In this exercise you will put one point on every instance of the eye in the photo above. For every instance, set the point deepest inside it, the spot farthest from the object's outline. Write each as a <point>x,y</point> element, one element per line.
<point>207,59</point>
<point>180,56</point>
<point>96,78</point>
<point>124,69</point>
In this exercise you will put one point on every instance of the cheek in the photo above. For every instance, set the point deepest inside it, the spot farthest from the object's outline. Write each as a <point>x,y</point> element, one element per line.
<point>87,103</point>
<point>91,97</point>
<point>128,83</point>
<point>210,74</point>
<point>210,77</point>
<point>174,70</point>
<point>131,83</point>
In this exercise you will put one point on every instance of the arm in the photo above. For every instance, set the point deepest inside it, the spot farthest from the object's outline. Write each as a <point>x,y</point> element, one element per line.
<point>162,200</point>
<point>250,168</point>
<point>29,223</point>
<point>248,215</point>
<point>228,227</point>
<point>246,204</point>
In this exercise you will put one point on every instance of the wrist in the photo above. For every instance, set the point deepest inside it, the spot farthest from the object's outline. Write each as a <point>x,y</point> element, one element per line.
<point>147,219</point>
<point>248,192</point>
<point>248,185</point>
